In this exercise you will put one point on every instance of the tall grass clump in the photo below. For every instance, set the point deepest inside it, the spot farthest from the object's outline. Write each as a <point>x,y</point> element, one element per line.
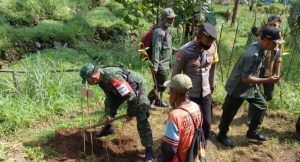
<point>41,93</point>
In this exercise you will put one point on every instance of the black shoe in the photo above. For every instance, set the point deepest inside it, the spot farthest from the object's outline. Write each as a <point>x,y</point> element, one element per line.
<point>225,141</point>
<point>160,103</point>
<point>297,136</point>
<point>152,96</point>
<point>149,154</point>
<point>256,135</point>
<point>107,130</point>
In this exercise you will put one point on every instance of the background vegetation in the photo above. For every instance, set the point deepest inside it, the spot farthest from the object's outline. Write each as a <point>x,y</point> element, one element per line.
<point>41,36</point>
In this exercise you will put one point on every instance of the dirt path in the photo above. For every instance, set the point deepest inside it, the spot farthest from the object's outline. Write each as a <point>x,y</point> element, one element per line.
<point>125,145</point>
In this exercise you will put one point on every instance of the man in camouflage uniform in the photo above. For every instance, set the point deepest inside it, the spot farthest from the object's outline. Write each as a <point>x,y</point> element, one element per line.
<point>120,85</point>
<point>195,60</point>
<point>161,55</point>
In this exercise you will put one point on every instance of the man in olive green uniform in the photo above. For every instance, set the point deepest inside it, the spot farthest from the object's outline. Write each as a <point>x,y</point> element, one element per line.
<point>161,55</point>
<point>271,64</point>
<point>195,60</point>
<point>242,84</point>
<point>120,85</point>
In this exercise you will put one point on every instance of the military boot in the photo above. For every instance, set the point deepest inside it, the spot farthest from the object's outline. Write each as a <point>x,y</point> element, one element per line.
<point>224,140</point>
<point>107,130</point>
<point>160,103</point>
<point>149,154</point>
<point>152,96</point>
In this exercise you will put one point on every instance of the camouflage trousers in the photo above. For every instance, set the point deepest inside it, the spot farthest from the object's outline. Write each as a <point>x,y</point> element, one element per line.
<point>138,107</point>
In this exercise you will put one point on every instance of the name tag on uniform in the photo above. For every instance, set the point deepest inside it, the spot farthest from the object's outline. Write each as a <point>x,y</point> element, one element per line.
<point>196,62</point>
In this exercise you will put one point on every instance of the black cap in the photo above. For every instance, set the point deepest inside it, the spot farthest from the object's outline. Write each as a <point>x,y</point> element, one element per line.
<point>273,34</point>
<point>274,17</point>
<point>209,30</point>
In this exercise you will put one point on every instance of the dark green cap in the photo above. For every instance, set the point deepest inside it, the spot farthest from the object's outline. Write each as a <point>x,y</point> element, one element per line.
<point>86,71</point>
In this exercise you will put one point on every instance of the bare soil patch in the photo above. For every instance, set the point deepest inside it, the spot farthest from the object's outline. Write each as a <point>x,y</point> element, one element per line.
<point>125,144</point>
<point>69,144</point>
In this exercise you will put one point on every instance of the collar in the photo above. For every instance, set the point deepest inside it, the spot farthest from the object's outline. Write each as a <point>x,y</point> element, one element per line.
<point>261,50</point>
<point>195,46</point>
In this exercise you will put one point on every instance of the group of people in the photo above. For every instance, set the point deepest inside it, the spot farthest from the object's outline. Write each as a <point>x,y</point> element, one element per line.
<point>191,87</point>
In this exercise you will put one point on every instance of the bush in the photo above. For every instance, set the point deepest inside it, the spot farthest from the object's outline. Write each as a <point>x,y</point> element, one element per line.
<point>31,12</point>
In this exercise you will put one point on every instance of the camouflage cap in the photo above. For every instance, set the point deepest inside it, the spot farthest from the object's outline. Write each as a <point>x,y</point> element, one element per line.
<point>180,83</point>
<point>86,71</point>
<point>168,12</point>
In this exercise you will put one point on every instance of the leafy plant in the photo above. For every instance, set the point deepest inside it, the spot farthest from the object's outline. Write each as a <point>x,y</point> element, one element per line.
<point>189,13</point>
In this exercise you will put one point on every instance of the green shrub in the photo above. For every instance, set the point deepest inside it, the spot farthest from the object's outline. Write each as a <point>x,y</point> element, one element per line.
<point>20,12</point>
<point>31,12</point>
<point>4,37</point>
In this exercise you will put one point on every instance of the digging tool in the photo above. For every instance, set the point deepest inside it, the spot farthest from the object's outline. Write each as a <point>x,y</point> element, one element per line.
<point>144,56</point>
<point>218,48</point>
<point>84,130</point>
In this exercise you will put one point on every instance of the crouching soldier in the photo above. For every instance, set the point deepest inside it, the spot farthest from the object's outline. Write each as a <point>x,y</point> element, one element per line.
<point>120,85</point>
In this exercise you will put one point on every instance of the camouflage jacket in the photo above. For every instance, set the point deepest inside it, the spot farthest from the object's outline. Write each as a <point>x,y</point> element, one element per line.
<point>138,85</point>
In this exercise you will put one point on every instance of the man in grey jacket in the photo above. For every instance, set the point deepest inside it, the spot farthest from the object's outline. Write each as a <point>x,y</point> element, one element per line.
<point>161,55</point>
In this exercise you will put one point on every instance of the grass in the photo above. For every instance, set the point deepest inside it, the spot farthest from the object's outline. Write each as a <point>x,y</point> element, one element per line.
<point>51,101</point>
<point>41,93</point>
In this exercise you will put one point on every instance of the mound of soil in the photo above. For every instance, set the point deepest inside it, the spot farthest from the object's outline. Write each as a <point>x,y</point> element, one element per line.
<point>70,146</point>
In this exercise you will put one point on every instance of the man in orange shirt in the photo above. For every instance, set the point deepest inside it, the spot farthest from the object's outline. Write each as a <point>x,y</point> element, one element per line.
<point>180,128</point>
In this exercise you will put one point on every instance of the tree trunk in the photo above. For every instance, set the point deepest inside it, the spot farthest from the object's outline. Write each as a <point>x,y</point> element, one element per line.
<point>157,12</point>
<point>235,10</point>
<point>251,5</point>
<point>187,31</point>
<point>193,27</point>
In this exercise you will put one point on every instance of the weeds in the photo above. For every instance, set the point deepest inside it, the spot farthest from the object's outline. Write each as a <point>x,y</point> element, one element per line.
<point>44,96</point>
<point>41,94</point>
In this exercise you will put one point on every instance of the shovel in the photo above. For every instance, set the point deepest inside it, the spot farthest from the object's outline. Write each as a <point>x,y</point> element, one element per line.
<point>84,130</point>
